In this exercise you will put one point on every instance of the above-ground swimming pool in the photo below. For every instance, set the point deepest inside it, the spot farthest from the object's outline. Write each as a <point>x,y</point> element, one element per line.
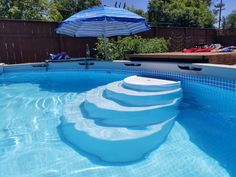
<point>202,141</point>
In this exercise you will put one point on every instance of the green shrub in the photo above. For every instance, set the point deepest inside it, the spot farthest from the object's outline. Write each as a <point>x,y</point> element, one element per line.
<point>110,46</point>
<point>120,48</point>
<point>129,45</point>
<point>155,45</point>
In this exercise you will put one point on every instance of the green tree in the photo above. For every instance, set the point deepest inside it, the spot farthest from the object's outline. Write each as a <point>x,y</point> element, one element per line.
<point>48,10</point>
<point>230,21</point>
<point>69,7</point>
<point>159,12</point>
<point>30,10</point>
<point>24,9</point>
<point>53,14</point>
<point>185,13</point>
<point>208,2</point>
<point>138,11</point>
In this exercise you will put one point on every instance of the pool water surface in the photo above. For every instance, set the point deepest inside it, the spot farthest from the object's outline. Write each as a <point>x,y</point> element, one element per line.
<point>202,141</point>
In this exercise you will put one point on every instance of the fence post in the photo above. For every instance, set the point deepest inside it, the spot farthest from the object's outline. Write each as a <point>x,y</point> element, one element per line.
<point>61,44</point>
<point>155,31</point>
<point>185,37</point>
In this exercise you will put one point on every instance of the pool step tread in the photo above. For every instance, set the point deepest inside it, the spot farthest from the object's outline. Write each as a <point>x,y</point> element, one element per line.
<point>117,92</point>
<point>149,84</point>
<point>95,97</point>
<point>111,113</point>
<point>73,114</point>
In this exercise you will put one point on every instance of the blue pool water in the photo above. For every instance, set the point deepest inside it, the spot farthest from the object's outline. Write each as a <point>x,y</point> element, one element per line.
<point>202,141</point>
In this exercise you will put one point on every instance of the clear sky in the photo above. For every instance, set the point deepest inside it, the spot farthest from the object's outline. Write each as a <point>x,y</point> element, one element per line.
<point>230,5</point>
<point>138,4</point>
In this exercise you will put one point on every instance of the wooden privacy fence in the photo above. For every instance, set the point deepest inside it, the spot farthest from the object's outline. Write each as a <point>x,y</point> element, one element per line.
<point>33,41</point>
<point>27,42</point>
<point>227,37</point>
<point>181,38</point>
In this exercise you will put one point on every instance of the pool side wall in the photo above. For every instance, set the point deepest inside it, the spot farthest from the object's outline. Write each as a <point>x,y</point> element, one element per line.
<point>223,71</point>
<point>1,67</point>
<point>222,76</point>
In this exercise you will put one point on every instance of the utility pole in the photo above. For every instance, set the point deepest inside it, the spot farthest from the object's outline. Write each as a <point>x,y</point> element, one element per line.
<point>219,8</point>
<point>220,14</point>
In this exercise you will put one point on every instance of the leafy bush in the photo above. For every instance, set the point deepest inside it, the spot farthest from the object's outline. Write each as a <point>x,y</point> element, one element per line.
<point>120,48</point>
<point>110,47</point>
<point>155,45</point>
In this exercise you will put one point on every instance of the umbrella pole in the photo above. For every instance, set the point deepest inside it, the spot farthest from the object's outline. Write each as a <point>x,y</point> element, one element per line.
<point>105,40</point>
<point>105,47</point>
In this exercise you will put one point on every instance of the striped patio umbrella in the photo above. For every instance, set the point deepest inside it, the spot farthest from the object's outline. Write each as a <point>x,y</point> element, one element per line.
<point>103,21</point>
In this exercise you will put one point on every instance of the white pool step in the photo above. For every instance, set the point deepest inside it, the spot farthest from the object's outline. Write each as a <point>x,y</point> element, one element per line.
<point>110,144</point>
<point>123,121</point>
<point>115,91</point>
<point>111,113</point>
<point>149,84</point>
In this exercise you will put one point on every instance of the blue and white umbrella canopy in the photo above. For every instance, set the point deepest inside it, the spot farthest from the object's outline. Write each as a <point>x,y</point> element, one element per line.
<point>103,21</point>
